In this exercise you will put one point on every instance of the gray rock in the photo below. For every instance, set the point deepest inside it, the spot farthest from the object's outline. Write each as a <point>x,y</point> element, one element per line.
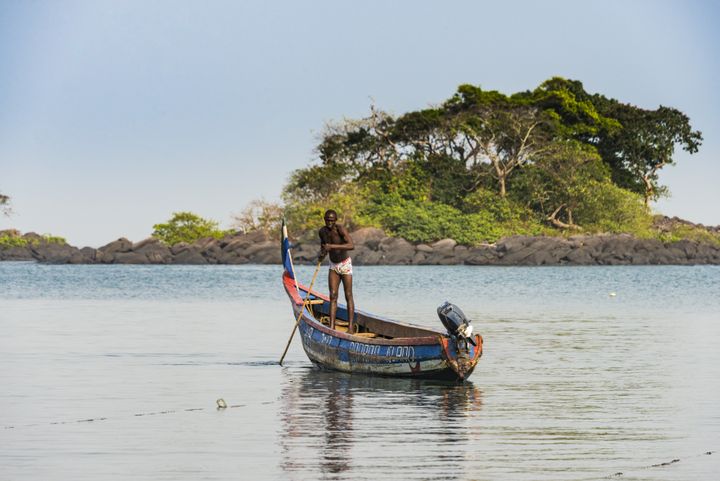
<point>511,244</point>
<point>213,251</point>
<point>237,259</point>
<point>238,244</point>
<point>419,258</point>
<point>358,254</point>
<point>579,256</point>
<point>269,255</point>
<point>120,245</point>
<point>259,247</point>
<point>54,253</point>
<point>179,247</point>
<point>16,254</point>
<point>444,244</point>
<point>189,256</point>
<point>89,254</point>
<point>205,243</point>
<point>149,241</point>
<point>306,253</point>
<point>130,258</point>
<point>368,236</point>
<point>155,251</point>
<point>367,257</point>
<point>395,250</point>
<point>424,248</point>
<point>481,255</point>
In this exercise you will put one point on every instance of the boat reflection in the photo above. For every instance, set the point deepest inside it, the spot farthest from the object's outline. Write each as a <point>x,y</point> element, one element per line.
<point>334,424</point>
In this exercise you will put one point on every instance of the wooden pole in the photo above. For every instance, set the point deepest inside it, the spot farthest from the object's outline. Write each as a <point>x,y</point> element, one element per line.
<point>302,309</point>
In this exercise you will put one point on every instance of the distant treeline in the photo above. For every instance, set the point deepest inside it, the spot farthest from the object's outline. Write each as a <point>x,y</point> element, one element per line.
<point>484,165</point>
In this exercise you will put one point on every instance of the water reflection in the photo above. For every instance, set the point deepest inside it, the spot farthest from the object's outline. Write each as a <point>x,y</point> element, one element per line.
<point>335,425</point>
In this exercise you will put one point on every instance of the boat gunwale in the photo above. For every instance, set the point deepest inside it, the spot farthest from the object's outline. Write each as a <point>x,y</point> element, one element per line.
<point>291,286</point>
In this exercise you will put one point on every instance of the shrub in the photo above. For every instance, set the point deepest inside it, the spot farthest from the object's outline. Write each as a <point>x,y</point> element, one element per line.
<point>609,208</point>
<point>419,221</point>
<point>187,227</point>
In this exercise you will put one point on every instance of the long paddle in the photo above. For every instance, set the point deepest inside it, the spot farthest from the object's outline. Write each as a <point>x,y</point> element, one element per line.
<point>305,302</point>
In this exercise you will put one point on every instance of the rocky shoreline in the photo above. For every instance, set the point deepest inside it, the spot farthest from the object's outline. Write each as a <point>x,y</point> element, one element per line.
<point>373,247</point>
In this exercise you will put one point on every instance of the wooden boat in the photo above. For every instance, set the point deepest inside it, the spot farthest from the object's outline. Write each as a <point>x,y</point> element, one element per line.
<point>380,346</point>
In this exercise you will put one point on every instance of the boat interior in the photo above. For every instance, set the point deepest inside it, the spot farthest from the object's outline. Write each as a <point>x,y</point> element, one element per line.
<point>365,325</point>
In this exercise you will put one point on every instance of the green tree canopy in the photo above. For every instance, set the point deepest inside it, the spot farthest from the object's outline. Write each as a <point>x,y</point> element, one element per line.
<point>635,142</point>
<point>483,164</point>
<point>186,227</point>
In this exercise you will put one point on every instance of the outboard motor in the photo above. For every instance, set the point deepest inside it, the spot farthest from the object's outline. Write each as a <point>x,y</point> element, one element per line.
<point>457,325</point>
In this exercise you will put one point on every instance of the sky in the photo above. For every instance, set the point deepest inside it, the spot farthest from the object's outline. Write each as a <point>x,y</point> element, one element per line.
<point>115,114</point>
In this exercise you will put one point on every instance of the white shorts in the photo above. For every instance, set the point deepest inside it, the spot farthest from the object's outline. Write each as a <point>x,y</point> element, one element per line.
<point>343,267</point>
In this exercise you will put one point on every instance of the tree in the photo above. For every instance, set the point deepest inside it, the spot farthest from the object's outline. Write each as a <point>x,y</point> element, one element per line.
<point>503,131</point>
<point>644,144</point>
<point>556,153</point>
<point>360,144</point>
<point>187,227</point>
<point>636,143</point>
<point>259,215</point>
<point>560,180</point>
<point>5,204</point>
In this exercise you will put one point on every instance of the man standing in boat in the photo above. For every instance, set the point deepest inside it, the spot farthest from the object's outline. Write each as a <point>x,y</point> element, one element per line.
<point>335,240</point>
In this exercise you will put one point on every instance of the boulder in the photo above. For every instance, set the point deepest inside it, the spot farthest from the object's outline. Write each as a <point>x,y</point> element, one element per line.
<point>424,248</point>
<point>269,254</point>
<point>236,259</point>
<point>482,255</point>
<point>189,256</point>
<point>17,253</point>
<point>33,237</point>
<point>213,251</point>
<point>179,247</point>
<point>444,245</point>
<point>365,256</point>
<point>526,251</point>
<point>419,258</point>
<point>258,247</point>
<point>89,254</point>
<point>368,236</point>
<point>155,251</point>
<point>395,250</point>
<point>511,244</point>
<point>54,253</point>
<point>236,244</point>
<point>307,253</point>
<point>130,258</point>
<point>205,243</point>
<point>580,256</point>
<point>120,245</point>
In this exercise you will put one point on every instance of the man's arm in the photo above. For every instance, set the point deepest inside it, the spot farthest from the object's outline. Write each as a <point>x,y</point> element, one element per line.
<point>323,246</point>
<point>347,246</point>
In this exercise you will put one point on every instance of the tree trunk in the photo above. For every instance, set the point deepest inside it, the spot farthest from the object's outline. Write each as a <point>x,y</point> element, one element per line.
<point>648,191</point>
<point>560,224</point>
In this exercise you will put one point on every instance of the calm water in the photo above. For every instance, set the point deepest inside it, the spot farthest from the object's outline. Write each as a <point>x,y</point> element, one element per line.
<point>112,372</point>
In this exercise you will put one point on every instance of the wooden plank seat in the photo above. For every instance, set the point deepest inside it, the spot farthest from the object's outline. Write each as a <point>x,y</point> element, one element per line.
<point>315,301</point>
<point>369,335</point>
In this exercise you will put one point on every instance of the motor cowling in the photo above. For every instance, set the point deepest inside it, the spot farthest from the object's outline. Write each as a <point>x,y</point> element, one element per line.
<point>455,321</point>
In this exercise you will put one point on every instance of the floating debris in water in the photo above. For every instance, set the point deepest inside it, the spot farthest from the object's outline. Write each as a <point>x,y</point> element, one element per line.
<point>221,403</point>
<point>660,465</point>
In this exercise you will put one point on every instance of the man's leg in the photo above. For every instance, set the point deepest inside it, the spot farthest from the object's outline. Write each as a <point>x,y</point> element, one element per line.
<point>347,286</point>
<point>333,285</point>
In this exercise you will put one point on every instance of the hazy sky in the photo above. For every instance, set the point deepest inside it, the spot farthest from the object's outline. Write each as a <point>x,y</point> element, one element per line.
<point>114,114</point>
